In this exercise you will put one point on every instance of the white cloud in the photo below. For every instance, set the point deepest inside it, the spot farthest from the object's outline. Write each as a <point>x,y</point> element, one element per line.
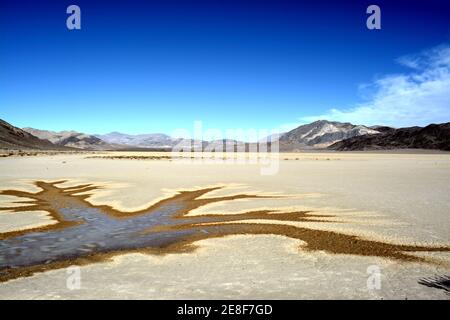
<point>419,97</point>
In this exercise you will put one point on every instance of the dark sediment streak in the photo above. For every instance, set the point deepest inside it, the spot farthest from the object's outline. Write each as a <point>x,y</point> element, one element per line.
<point>87,233</point>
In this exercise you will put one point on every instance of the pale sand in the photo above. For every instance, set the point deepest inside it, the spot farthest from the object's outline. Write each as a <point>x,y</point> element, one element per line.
<point>401,198</point>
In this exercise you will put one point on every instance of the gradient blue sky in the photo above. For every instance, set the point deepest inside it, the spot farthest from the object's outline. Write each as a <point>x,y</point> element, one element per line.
<point>154,66</point>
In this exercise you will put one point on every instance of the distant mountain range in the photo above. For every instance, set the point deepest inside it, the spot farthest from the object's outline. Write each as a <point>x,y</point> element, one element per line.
<point>72,139</point>
<point>321,134</point>
<point>153,140</point>
<point>14,138</point>
<point>433,136</point>
<point>317,135</point>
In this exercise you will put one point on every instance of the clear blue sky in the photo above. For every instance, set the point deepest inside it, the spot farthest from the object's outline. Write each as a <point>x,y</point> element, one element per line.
<point>154,66</point>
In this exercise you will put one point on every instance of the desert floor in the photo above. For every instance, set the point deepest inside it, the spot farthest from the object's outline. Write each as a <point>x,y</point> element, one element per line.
<point>384,197</point>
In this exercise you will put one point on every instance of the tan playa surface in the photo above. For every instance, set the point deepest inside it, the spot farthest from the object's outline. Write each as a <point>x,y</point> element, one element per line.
<point>399,198</point>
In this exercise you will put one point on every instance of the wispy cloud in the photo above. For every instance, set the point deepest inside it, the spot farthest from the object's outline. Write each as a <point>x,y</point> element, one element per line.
<point>418,97</point>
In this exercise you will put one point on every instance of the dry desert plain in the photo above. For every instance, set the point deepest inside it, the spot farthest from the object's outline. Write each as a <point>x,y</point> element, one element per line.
<point>154,226</point>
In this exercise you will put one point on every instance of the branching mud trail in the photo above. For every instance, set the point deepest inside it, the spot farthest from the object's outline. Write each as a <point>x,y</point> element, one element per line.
<point>86,233</point>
